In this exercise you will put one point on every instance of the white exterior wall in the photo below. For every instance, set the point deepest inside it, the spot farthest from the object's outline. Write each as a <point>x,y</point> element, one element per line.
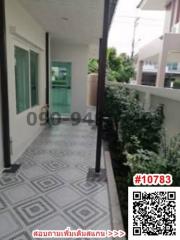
<point>1,141</point>
<point>78,56</point>
<point>151,97</point>
<point>167,21</point>
<point>26,33</point>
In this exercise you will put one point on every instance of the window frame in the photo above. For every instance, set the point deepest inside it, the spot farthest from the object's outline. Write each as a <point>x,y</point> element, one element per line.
<point>27,48</point>
<point>38,55</point>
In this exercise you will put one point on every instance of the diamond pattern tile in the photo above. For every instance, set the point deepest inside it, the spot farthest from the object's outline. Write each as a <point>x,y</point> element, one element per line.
<point>54,165</point>
<point>42,157</point>
<point>101,197</point>
<point>8,224</point>
<point>47,183</point>
<point>50,190</point>
<point>34,172</point>
<point>34,210</point>
<point>71,174</point>
<point>9,180</point>
<point>56,222</point>
<point>19,193</point>
<point>85,213</point>
<point>2,204</point>
<point>21,236</point>
<point>86,187</point>
<point>62,197</point>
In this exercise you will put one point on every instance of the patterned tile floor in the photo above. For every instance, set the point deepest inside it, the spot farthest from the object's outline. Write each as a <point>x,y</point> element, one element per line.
<point>50,190</point>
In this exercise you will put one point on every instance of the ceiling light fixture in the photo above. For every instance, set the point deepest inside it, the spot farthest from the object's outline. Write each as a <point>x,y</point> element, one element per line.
<point>65,18</point>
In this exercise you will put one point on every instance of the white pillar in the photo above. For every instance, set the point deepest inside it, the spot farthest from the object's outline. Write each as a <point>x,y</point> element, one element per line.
<point>139,72</point>
<point>147,103</point>
<point>161,73</point>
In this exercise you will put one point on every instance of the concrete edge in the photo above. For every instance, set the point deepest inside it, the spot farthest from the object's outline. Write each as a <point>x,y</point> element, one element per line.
<point>115,209</point>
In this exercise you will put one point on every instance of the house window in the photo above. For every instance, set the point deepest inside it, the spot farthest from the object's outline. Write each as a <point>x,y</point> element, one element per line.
<point>174,66</point>
<point>26,78</point>
<point>34,78</point>
<point>22,79</point>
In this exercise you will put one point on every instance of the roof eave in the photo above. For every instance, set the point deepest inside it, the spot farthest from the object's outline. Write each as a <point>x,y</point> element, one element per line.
<point>140,4</point>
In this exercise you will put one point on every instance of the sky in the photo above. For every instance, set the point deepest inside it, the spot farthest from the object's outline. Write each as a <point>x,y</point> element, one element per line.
<point>149,26</point>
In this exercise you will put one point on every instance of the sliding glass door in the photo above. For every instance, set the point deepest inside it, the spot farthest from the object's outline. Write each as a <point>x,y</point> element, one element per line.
<point>22,79</point>
<point>26,79</point>
<point>61,87</point>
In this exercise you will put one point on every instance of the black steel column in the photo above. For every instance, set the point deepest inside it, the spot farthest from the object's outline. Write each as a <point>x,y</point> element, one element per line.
<point>47,73</point>
<point>4,87</point>
<point>98,86</point>
<point>102,75</point>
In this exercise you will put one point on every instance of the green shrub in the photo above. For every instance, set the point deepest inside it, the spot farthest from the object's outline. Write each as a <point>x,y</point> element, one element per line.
<point>93,66</point>
<point>117,100</point>
<point>146,126</point>
<point>168,162</point>
<point>145,161</point>
<point>176,84</point>
<point>131,120</point>
<point>172,154</point>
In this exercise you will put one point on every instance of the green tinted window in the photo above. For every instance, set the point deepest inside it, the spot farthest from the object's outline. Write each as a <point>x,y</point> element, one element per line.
<point>34,78</point>
<point>22,79</point>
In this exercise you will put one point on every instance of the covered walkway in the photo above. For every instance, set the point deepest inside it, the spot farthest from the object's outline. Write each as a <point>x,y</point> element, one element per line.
<point>50,190</point>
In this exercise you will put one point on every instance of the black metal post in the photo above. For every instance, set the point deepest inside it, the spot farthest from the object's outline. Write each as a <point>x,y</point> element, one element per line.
<point>4,87</point>
<point>102,75</point>
<point>98,86</point>
<point>47,74</point>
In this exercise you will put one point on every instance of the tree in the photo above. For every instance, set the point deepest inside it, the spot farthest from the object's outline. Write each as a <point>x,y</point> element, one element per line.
<point>93,66</point>
<point>119,67</point>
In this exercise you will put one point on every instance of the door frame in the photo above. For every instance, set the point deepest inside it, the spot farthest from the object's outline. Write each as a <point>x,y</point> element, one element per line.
<point>50,86</point>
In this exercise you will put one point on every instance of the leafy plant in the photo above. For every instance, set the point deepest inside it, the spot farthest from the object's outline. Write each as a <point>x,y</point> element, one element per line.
<point>119,67</point>
<point>167,162</point>
<point>173,158</point>
<point>145,161</point>
<point>131,120</point>
<point>93,66</point>
<point>176,84</point>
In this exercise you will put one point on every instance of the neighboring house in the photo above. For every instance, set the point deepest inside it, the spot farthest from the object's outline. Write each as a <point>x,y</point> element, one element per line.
<point>150,72</point>
<point>47,45</point>
<point>165,50</point>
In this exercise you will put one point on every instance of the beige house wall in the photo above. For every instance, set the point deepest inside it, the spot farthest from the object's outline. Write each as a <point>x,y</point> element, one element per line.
<point>92,85</point>
<point>159,51</point>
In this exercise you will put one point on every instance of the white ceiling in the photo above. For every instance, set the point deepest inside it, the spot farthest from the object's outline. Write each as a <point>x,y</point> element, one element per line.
<point>153,4</point>
<point>77,21</point>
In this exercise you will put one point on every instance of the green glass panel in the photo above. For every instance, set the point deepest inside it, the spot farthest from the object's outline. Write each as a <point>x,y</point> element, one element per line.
<point>61,87</point>
<point>22,79</point>
<point>34,78</point>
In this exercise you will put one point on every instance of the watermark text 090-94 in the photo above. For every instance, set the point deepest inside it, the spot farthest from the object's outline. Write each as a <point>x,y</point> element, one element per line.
<point>56,118</point>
